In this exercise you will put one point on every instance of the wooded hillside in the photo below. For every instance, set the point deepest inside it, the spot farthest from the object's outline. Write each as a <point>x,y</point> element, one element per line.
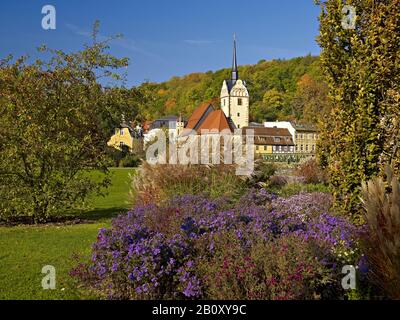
<point>279,89</point>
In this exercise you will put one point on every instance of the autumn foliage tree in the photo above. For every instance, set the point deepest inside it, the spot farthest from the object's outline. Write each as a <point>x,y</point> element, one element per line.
<point>54,124</point>
<point>362,69</point>
<point>310,102</point>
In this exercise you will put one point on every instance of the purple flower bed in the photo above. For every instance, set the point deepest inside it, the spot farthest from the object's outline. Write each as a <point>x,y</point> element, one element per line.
<point>144,256</point>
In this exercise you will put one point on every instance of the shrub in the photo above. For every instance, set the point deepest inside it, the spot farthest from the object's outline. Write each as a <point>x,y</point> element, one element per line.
<point>277,181</point>
<point>154,183</point>
<point>123,158</point>
<point>279,270</point>
<point>263,171</point>
<point>311,172</point>
<point>382,241</point>
<point>130,161</point>
<point>293,188</point>
<point>175,250</point>
<point>54,120</point>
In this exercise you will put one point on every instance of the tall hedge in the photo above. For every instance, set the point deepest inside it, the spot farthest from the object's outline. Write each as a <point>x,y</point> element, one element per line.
<point>362,69</point>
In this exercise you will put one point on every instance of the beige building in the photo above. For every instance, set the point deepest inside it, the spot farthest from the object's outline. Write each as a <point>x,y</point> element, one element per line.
<point>304,136</point>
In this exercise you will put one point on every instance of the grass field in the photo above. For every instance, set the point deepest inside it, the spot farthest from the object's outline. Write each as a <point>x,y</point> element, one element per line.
<point>24,250</point>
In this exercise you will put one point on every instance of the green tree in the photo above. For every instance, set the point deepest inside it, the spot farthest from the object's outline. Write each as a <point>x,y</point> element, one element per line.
<point>272,106</point>
<point>311,100</point>
<point>362,69</point>
<point>54,116</point>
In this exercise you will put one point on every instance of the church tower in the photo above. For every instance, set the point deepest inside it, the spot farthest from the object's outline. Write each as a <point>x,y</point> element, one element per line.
<point>235,97</point>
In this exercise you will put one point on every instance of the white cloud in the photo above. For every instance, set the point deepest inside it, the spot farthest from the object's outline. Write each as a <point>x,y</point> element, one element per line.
<point>122,42</point>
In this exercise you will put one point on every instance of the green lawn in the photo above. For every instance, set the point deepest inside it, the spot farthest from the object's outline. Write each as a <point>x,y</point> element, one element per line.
<point>24,250</point>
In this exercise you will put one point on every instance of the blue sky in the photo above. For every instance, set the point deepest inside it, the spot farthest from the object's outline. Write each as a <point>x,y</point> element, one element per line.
<point>167,38</point>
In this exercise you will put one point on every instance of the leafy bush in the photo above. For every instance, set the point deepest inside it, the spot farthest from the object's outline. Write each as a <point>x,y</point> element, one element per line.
<point>122,158</point>
<point>154,183</point>
<point>293,188</point>
<point>277,181</point>
<point>263,171</point>
<point>190,246</point>
<point>311,172</point>
<point>280,270</point>
<point>382,244</point>
<point>130,161</point>
<point>53,123</point>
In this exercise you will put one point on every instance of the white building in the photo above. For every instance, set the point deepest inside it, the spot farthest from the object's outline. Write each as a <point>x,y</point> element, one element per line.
<point>284,125</point>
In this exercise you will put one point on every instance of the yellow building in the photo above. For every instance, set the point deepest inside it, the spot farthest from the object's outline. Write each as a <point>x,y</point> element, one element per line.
<point>123,136</point>
<point>271,140</point>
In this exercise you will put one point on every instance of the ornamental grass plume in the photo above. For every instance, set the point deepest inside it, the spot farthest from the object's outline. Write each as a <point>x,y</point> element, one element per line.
<point>155,183</point>
<point>382,215</point>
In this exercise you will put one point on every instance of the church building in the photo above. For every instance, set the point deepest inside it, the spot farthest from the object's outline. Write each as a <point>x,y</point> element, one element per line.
<point>234,114</point>
<point>235,97</point>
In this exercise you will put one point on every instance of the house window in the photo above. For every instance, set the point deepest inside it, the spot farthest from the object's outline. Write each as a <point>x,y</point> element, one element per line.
<point>121,132</point>
<point>313,147</point>
<point>121,144</point>
<point>257,148</point>
<point>239,101</point>
<point>301,136</point>
<point>301,147</point>
<point>265,148</point>
<point>223,101</point>
<point>306,147</point>
<point>238,126</point>
<point>277,139</point>
<point>238,114</point>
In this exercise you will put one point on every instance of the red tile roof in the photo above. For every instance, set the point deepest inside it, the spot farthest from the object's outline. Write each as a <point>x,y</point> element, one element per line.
<point>216,120</point>
<point>197,115</point>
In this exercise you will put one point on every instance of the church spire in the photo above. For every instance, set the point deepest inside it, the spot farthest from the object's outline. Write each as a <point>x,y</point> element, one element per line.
<point>235,73</point>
